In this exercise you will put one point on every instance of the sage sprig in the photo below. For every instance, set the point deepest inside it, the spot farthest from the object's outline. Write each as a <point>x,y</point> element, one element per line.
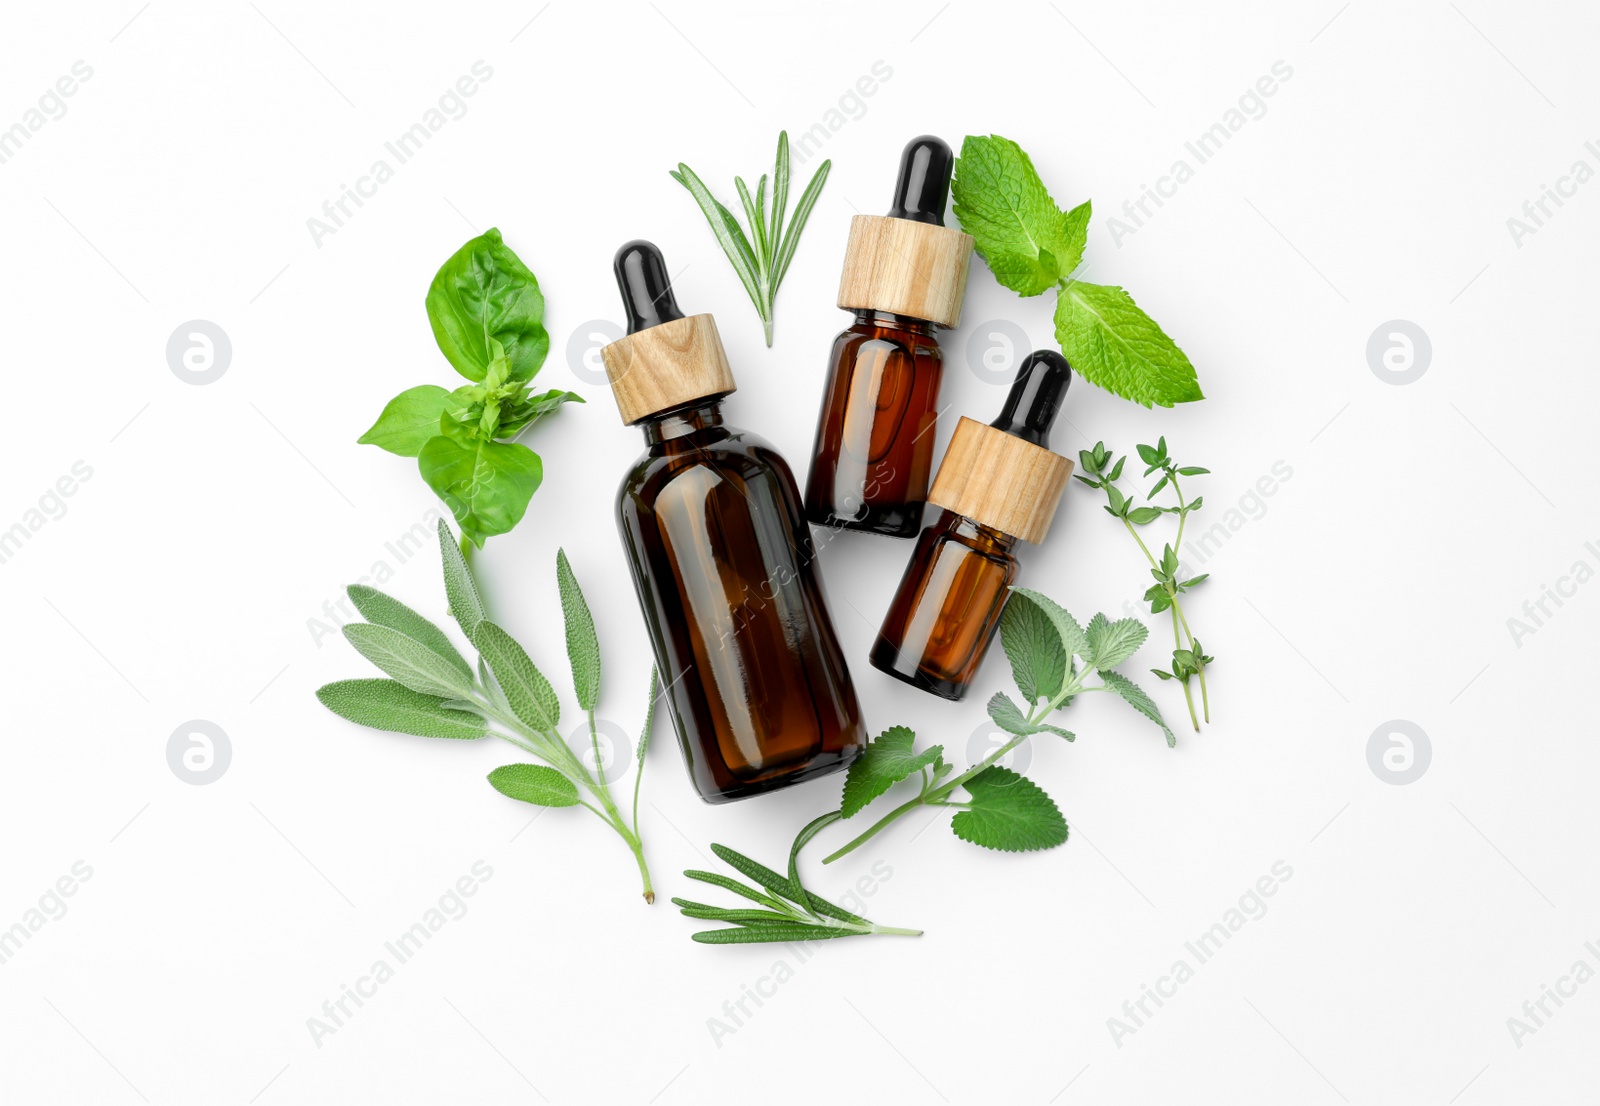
<point>762,258</point>
<point>1100,468</point>
<point>784,910</point>
<point>432,691</point>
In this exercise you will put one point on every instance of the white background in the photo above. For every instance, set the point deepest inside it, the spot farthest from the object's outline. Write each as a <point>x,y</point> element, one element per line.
<point>1374,584</point>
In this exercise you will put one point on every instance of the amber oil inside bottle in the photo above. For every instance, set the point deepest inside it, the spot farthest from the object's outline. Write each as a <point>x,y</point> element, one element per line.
<point>875,436</point>
<point>947,607</point>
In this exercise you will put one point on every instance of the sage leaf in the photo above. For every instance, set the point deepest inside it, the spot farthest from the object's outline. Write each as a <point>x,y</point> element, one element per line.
<point>583,647</point>
<point>1111,643</point>
<point>466,603</point>
<point>486,484</point>
<point>408,420</point>
<point>1140,702</point>
<point>531,697</point>
<point>887,760</point>
<point>385,610</point>
<point>390,705</point>
<point>484,292</point>
<point>1009,813</point>
<point>534,783</point>
<point>1038,661</point>
<point>408,660</point>
<point>1067,628</point>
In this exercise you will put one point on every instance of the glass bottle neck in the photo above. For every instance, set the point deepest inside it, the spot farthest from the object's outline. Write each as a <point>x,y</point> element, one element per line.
<point>983,538</point>
<point>666,426</point>
<point>888,320</point>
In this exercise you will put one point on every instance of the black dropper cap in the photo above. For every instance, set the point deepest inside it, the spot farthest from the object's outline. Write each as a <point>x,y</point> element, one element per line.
<point>646,288</point>
<point>923,186</point>
<point>1035,397</point>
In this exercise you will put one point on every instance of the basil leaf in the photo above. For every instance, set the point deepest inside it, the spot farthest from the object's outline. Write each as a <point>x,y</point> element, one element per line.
<point>486,484</point>
<point>484,292</point>
<point>408,420</point>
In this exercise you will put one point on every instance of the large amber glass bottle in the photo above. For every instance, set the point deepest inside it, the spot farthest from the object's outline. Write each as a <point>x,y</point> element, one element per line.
<point>722,561</point>
<point>904,275</point>
<point>998,484</point>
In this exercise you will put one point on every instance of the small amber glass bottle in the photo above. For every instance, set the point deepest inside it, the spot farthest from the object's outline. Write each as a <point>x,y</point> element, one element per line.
<point>998,484</point>
<point>722,561</point>
<point>904,274</point>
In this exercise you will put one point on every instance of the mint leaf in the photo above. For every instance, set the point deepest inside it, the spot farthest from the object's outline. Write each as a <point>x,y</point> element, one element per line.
<point>484,292</point>
<point>408,660</point>
<point>1009,717</point>
<point>385,610</point>
<point>390,705</point>
<point>888,760</point>
<point>534,783</point>
<point>1028,242</point>
<point>486,484</point>
<point>1038,662</point>
<point>1009,813</point>
<point>531,697</point>
<point>583,647</point>
<point>1067,628</point>
<point>1139,701</point>
<point>1114,345</point>
<point>1111,643</point>
<point>408,420</point>
<point>466,604</point>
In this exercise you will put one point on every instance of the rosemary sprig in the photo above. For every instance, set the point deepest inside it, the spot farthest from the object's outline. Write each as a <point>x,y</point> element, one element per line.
<point>762,259</point>
<point>785,910</point>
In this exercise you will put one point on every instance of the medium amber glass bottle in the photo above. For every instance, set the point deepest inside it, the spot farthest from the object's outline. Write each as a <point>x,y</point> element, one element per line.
<point>904,274</point>
<point>722,561</point>
<point>998,484</point>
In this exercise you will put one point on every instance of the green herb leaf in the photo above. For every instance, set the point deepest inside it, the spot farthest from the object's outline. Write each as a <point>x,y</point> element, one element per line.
<point>1009,813</point>
<point>725,228</point>
<point>408,420</point>
<point>1072,636</point>
<point>534,783</point>
<point>1057,730</point>
<point>1027,241</point>
<point>390,705</point>
<point>802,212</point>
<point>1116,346</point>
<point>1140,702</point>
<point>888,759</point>
<point>750,935</point>
<point>1009,717</point>
<point>727,883</point>
<point>751,869</point>
<point>744,916</point>
<point>484,291</point>
<point>1111,643</point>
<point>525,411</point>
<point>529,693</point>
<point>466,604</point>
<point>1143,516</point>
<point>807,832</point>
<point>583,647</point>
<point>408,660</point>
<point>385,610</point>
<point>486,484</point>
<point>1032,645</point>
